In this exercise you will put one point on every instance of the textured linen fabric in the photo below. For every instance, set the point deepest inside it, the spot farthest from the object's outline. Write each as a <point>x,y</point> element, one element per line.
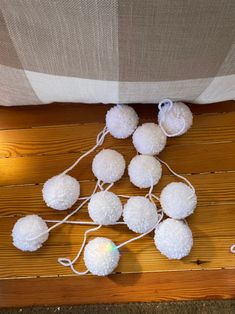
<point>116,51</point>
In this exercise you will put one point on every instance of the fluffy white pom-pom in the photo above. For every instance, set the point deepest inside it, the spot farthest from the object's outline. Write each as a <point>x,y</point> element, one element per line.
<point>108,166</point>
<point>27,228</point>
<point>61,192</point>
<point>144,171</point>
<point>101,256</point>
<point>149,139</point>
<point>121,121</point>
<point>178,200</point>
<point>140,214</point>
<point>105,208</point>
<point>173,238</point>
<point>178,119</point>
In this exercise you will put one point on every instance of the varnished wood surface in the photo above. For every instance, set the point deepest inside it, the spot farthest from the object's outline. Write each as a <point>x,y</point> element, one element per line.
<point>148,287</point>
<point>39,142</point>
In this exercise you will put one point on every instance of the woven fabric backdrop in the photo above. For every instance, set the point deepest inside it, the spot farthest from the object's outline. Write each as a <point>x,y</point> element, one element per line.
<point>116,51</point>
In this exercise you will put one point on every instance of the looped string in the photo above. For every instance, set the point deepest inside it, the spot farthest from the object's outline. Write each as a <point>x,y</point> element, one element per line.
<point>64,261</point>
<point>99,141</point>
<point>177,175</point>
<point>165,106</point>
<point>68,262</point>
<point>232,249</point>
<point>66,218</point>
<point>143,234</point>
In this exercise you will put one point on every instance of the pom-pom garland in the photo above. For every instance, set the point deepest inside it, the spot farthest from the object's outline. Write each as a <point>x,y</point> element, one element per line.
<point>26,229</point>
<point>140,214</point>
<point>174,118</point>
<point>105,208</point>
<point>178,200</point>
<point>149,139</point>
<point>121,121</point>
<point>108,166</point>
<point>173,238</point>
<point>144,171</point>
<point>101,256</point>
<point>61,192</point>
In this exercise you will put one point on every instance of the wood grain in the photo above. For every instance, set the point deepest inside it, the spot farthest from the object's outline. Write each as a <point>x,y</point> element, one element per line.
<point>39,142</point>
<point>210,251</point>
<point>207,129</point>
<point>28,198</point>
<point>70,113</point>
<point>119,288</point>
<point>183,159</point>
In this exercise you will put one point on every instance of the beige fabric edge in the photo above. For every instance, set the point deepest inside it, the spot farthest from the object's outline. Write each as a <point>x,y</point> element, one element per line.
<point>50,88</point>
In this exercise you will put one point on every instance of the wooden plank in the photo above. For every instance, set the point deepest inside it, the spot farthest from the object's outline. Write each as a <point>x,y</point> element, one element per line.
<point>206,129</point>
<point>67,113</point>
<point>28,198</point>
<point>194,285</point>
<point>211,220</point>
<point>213,235</point>
<point>183,159</point>
<point>206,152</point>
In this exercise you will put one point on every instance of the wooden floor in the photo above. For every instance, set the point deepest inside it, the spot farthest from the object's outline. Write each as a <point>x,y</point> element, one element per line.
<point>39,142</point>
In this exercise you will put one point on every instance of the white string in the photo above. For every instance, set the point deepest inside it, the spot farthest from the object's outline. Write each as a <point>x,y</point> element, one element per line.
<point>124,196</point>
<point>141,235</point>
<point>79,222</point>
<point>157,198</point>
<point>109,186</point>
<point>99,141</point>
<point>100,185</point>
<point>67,217</point>
<point>66,261</point>
<point>150,195</point>
<point>165,106</point>
<point>74,212</point>
<point>83,198</point>
<point>232,249</point>
<point>176,174</point>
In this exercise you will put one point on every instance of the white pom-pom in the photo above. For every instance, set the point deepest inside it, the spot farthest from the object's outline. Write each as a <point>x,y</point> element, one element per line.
<point>149,139</point>
<point>27,228</point>
<point>101,256</point>
<point>178,200</point>
<point>61,192</point>
<point>140,214</point>
<point>173,238</point>
<point>177,119</point>
<point>121,121</point>
<point>108,166</point>
<point>105,208</point>
<point>144,171</point>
